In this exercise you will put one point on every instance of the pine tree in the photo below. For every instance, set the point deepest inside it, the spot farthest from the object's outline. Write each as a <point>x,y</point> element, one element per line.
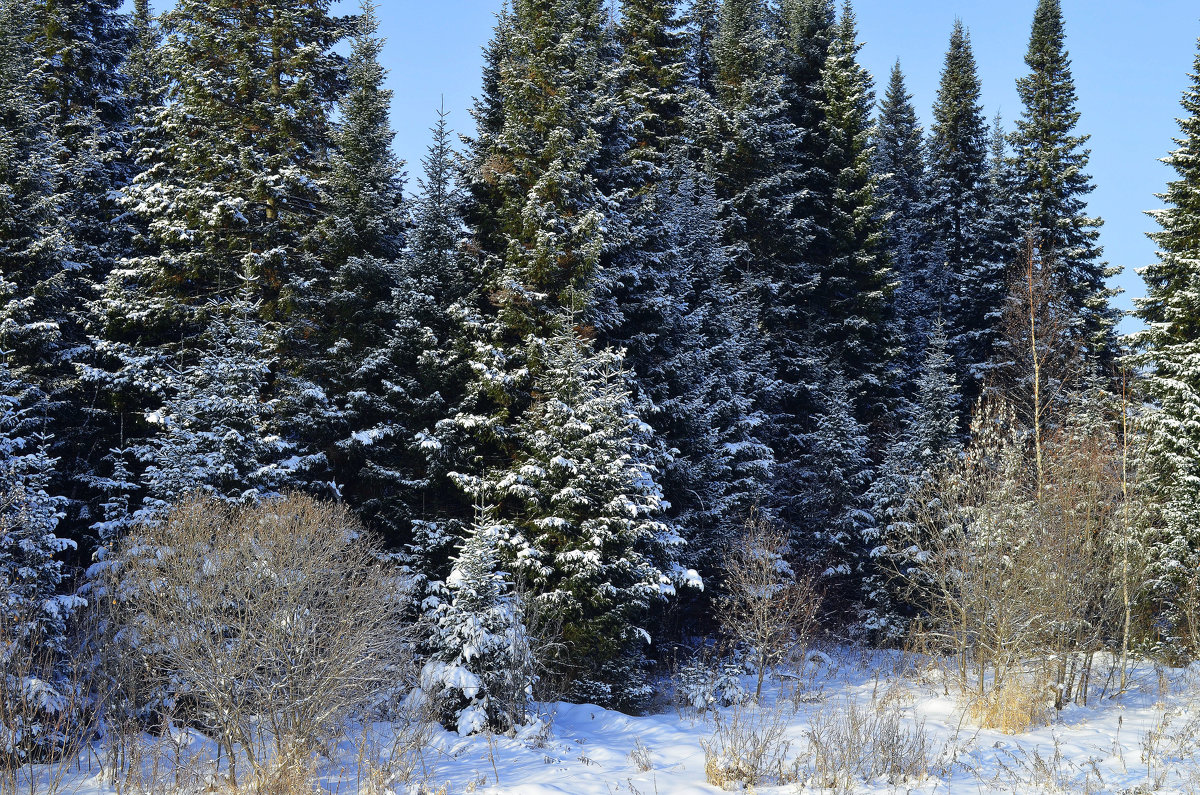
<point>962,210</point>
<point>1052,185</point>
<point>904,214</point>
<point>1169,349</point>
<point>925,443</point>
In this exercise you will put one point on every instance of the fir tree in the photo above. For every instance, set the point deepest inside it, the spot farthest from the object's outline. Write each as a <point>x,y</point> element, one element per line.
<point>807,28</point>
<point>651,76</point>
<point>33,611</point>
<point>963,213</point>
<point>701,31</point>
<point>368,342</point>
<point>1169,349</point>
<point>237,187</point>
<point>1052,184</point>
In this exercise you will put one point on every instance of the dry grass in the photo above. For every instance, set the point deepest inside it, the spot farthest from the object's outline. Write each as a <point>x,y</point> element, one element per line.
<point>1014,707</point>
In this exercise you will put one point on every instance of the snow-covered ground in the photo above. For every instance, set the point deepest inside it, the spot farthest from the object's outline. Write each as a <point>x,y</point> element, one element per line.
<point>854,710</point>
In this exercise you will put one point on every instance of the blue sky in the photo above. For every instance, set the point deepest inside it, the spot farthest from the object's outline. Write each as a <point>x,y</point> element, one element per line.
<point>1131,61</point>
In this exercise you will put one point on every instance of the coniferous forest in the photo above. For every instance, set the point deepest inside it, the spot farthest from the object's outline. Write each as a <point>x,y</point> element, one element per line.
<point>694,347</point>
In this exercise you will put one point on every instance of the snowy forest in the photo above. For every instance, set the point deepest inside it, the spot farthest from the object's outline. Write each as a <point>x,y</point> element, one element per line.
<point>690,363</point>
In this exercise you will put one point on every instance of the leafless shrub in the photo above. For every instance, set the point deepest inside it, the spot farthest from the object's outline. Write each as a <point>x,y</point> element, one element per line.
<point>1016,561</point>
<point>268,625</point>
<point>850,745</point>
<point>749,748</point>
<point>47,712</point>
<point>767,609</point>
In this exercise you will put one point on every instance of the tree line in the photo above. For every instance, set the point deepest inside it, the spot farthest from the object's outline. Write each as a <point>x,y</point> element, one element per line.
<point>684,274</point>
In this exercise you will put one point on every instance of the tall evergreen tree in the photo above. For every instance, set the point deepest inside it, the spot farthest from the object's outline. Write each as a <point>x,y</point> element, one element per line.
<point>807,29</point>
<point>233,196</point>
<point>689,338</point>
<point>581,498</point>
<point>838,470</point>
<point>904,214</point>
<point>1169,349</point>
<point>700,24</point>
<point>367,344</point>
<point>962,210</point>
<point>752,149</point>
<point>853,296</point>
<point>527,421</point>
<point>1052,184</point>
<point>69,56</point>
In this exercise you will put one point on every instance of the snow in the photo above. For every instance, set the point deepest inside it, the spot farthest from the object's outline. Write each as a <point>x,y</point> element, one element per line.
<point>1143,740</point>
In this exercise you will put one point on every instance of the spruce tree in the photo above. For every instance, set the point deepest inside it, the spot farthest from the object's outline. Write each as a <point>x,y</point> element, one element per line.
<point>700,24</point>
<point>852,300</point>
<point>1052,185</point>
<point>583,506</point>
<point>830,539</point>
<point>215,421</point>
<point>753,149</point>
<point>689,338</point>
<point>481,667</point>
<point>366,349</point>
<point>651,74</point>
<point>924,444</point>
<point>1169,350</point>
<point>63,68</point>
<point>962,211</point>
<point>904,214</point>
<point>232,196</point>
<point>237,188</point>
<point>806,30</point>
<point>31,566</point>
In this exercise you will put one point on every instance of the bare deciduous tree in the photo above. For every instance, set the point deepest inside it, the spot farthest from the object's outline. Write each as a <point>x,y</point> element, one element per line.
<point>766,608</point>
